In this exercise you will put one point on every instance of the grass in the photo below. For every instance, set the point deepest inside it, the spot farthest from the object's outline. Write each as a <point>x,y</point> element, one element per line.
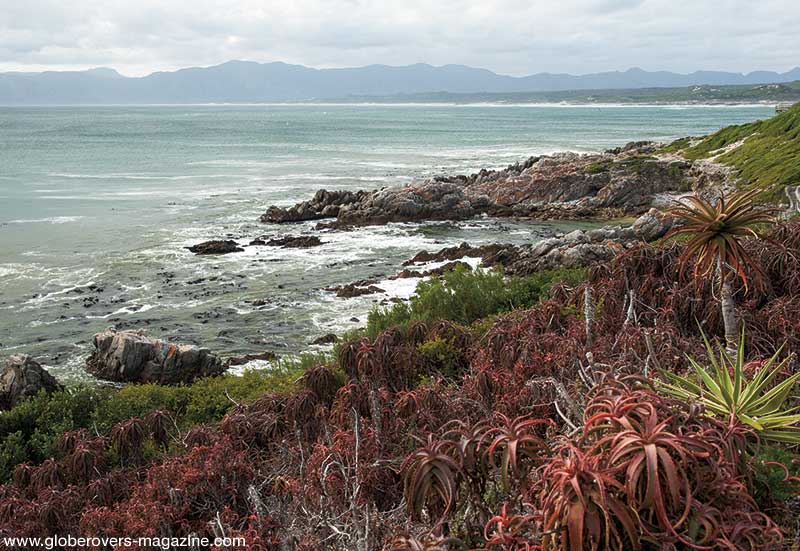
<point>767,159</point>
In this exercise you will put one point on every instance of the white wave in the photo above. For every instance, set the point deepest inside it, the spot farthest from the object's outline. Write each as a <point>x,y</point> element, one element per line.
<point>8,270</point>
<point>41,323</point>
<point>134,176</point>
<point>241,163</point>
<point>133,309</point>
<point>51,220</point>
<point>252,365</point>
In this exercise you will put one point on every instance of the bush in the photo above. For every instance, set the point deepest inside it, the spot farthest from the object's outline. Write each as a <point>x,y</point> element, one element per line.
<point>776,475</point>
<point>442,356</point>
<point>29,432</point>
<point>465,296</point>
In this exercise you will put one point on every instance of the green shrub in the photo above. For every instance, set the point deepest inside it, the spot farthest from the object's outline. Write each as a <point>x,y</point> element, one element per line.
<point>465,296</point>
<point>13,451</point>
<point>529,290</point>
<point>461,295</point>
<point>770,478</point>
<point>29,431</point>
<point>442,356</point>
<point>379,319</point>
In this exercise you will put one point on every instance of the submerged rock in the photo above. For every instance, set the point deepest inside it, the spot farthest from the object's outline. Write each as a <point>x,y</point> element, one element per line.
<point>330,338</point>
<point>22,377</point>
<point>294,242</point>
<point>216,247</point>
<point>356,289</point>
<point>132,356</point>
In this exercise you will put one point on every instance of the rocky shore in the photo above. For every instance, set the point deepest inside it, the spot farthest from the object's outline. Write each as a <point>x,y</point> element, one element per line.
<point>625,181</point>
<point>575,249</point>
<point>620,182</point>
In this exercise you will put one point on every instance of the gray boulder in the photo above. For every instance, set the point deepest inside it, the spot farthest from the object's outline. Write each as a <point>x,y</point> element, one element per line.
<point>132,356</point>
<point>652,225</point>
<point>22,377</point>
<point>575,249</point>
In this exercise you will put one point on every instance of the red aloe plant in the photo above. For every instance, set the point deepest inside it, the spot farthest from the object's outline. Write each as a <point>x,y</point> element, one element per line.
<point>431,478</point>
<point>581,508</point>
<point>322,382</point>
<point>505,532</point>
<point>128,438</point>
<point>657,465</point>
<point>159,424</point>
<point>515,440</point>
<point>47,475</point>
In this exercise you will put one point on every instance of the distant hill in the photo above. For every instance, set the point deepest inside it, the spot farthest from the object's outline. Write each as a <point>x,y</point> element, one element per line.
<point>750,93</point>
<point>250,82</point>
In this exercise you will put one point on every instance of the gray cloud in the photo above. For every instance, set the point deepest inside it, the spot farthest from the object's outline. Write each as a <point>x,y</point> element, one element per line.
<point>508,36</point>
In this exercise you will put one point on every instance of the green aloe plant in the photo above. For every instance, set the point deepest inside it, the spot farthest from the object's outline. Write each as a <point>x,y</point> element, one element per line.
<point>715,234</point>
<point>724,390</point>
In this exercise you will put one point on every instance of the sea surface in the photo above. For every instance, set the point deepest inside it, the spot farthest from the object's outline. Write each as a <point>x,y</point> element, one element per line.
<point>98,205</point>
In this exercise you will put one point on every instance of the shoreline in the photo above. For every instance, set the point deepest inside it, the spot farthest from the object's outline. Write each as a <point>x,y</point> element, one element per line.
<point>231,332</point>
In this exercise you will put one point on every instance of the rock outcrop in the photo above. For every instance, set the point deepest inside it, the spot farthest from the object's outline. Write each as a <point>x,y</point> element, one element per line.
<point>652,225</point>
<point>217,246</point>
<point>329,338</point>
<point>490,255</point>
<point>325,204</point>
<point>132,356</point>
<point>443,269</point>
<point>574,249</point>
<point>22,377</point>
<point>619,182</point>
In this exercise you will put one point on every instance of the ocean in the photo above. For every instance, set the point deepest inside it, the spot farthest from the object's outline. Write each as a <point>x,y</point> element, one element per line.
<point>98,205</point>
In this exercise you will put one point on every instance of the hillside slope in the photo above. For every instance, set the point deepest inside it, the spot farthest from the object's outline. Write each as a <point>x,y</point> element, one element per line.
<point>765,154</point>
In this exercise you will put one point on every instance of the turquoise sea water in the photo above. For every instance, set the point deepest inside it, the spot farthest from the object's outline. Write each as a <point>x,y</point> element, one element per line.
<point>97,206</point>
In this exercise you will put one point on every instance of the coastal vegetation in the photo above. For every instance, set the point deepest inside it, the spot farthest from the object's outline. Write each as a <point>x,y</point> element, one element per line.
<point>764,154</point>
<point>508,433</point>
<point>649,401</point>
<point>30,432</point>
<point>465,296</point>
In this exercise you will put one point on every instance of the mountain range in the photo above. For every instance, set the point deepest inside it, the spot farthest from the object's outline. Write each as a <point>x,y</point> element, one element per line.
<point>251,82</point>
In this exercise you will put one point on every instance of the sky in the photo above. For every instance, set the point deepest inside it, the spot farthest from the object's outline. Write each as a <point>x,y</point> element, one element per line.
<point>515,37</point>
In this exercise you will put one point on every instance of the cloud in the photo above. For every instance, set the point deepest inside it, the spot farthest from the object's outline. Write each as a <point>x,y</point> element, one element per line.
<point>508,36</point>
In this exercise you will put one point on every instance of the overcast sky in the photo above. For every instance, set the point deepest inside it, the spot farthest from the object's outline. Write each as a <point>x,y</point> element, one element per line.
<point>508,36</point>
